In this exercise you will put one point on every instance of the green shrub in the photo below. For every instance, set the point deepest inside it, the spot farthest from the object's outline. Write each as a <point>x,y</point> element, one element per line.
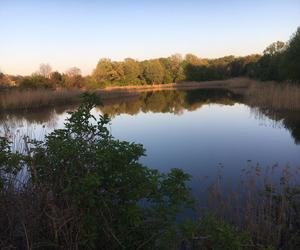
<point>218,235</point>
<point>92,190</point>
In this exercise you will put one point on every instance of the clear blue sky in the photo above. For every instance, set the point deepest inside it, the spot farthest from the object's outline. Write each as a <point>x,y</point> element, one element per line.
<point>67,33</point>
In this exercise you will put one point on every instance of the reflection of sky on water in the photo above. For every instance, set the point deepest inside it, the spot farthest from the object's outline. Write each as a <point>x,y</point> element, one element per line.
<point>198,141</point>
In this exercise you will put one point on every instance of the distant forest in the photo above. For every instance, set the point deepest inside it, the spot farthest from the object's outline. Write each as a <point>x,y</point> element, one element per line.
<point>280,62</point>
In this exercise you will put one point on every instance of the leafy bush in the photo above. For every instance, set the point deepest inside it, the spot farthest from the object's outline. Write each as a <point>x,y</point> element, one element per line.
<point>218,235</point>
<point>88,190</point>
<point>35,82</point>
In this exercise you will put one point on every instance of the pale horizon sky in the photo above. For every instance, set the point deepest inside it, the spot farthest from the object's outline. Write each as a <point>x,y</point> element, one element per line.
<point>78,33</point>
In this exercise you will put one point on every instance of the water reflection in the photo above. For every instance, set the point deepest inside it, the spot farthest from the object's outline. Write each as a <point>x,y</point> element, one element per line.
<point>199,131</point>
<point>174,102</point>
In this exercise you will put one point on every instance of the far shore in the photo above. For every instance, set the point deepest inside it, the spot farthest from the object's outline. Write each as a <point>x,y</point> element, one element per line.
<point>17,99</point>
<point>239,82</point>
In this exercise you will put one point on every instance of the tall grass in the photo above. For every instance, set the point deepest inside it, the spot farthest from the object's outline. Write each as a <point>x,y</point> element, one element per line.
<point>274,96</point>
<point>29,99</point>
<point>266,204</point>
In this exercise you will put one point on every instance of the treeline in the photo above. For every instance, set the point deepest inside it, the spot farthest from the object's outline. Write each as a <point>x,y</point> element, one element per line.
<point>172,69</point>
<point>46,78</point>
<point>280,62</point>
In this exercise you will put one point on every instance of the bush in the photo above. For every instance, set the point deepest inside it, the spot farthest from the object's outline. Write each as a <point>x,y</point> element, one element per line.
<point>36,82</point>
<point>84,189</point>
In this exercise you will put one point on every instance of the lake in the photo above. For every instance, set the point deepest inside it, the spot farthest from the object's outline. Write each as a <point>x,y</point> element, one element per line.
<point>200,131</point>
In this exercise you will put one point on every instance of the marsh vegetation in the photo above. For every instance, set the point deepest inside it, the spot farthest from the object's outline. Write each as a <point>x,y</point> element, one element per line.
<point>106,198</point>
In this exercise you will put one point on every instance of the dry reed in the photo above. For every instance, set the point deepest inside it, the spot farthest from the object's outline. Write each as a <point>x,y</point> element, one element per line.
<point>274,96</point>
<point>29,99</point>
<point>265,204</point>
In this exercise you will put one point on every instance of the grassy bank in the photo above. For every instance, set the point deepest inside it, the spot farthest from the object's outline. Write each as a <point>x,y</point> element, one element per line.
<point>29,99</point>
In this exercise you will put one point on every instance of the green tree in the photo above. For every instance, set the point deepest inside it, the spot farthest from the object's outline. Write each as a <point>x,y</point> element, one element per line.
<point>177,68</point>
<point>274,48</point>
<point>107,71</point>
<point>103,70</point>
<point>153,72</point>
<point>291,59</point>
<point>132,71</point>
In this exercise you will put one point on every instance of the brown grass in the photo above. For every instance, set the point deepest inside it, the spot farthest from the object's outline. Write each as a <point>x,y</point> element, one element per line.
<point>265,204</point>
<point>274,96</point>
<point>269,95</point>
<point>29,99</point>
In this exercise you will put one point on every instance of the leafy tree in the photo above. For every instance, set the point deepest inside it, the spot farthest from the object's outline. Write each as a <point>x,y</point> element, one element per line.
<point>153,71</point>
<point>177,67</point>
<point>291,59</point>
<point>108,71</point>
<point>194,60</point>
<point>103,70</point>
<point>56,78</point>
<point>35,81</point>
<point>274,48</point>
<point>132,71</point>
<point>168,74</point>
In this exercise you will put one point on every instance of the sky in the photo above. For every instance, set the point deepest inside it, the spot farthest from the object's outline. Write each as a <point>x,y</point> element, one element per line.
<point>67,33</point>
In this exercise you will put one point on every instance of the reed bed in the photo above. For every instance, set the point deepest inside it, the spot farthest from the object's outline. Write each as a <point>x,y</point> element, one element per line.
<point>265,204</point>
<point>30,99</point>
<point>274,96</point>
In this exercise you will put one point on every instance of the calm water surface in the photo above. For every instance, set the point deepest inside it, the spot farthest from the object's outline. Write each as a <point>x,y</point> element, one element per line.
<point>198,131</point>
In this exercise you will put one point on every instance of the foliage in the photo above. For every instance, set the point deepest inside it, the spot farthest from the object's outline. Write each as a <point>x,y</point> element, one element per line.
<point>218,235</point>
<point>94,193</point>
<point>35,81</point>
<point>280,61</point>
<point>153,71</point>
<point>292,58</point>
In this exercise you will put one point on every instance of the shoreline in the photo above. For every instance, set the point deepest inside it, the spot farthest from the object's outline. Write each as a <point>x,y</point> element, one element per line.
<point>239,82</point>
<point>17,99</point>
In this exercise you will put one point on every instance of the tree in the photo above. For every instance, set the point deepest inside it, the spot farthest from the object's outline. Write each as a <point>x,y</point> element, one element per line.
<point>132,71</point>
<point>56,77</point>
<point>194,60</point>
<point>105,71</point>
<point>35,81</point>
<point>153,71</point>
<point>45,70</point>
<point>73,78</point>
<point>274,48</point>
<point>73,72</point>
<point>177,67</point>
<point>291,61</point>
